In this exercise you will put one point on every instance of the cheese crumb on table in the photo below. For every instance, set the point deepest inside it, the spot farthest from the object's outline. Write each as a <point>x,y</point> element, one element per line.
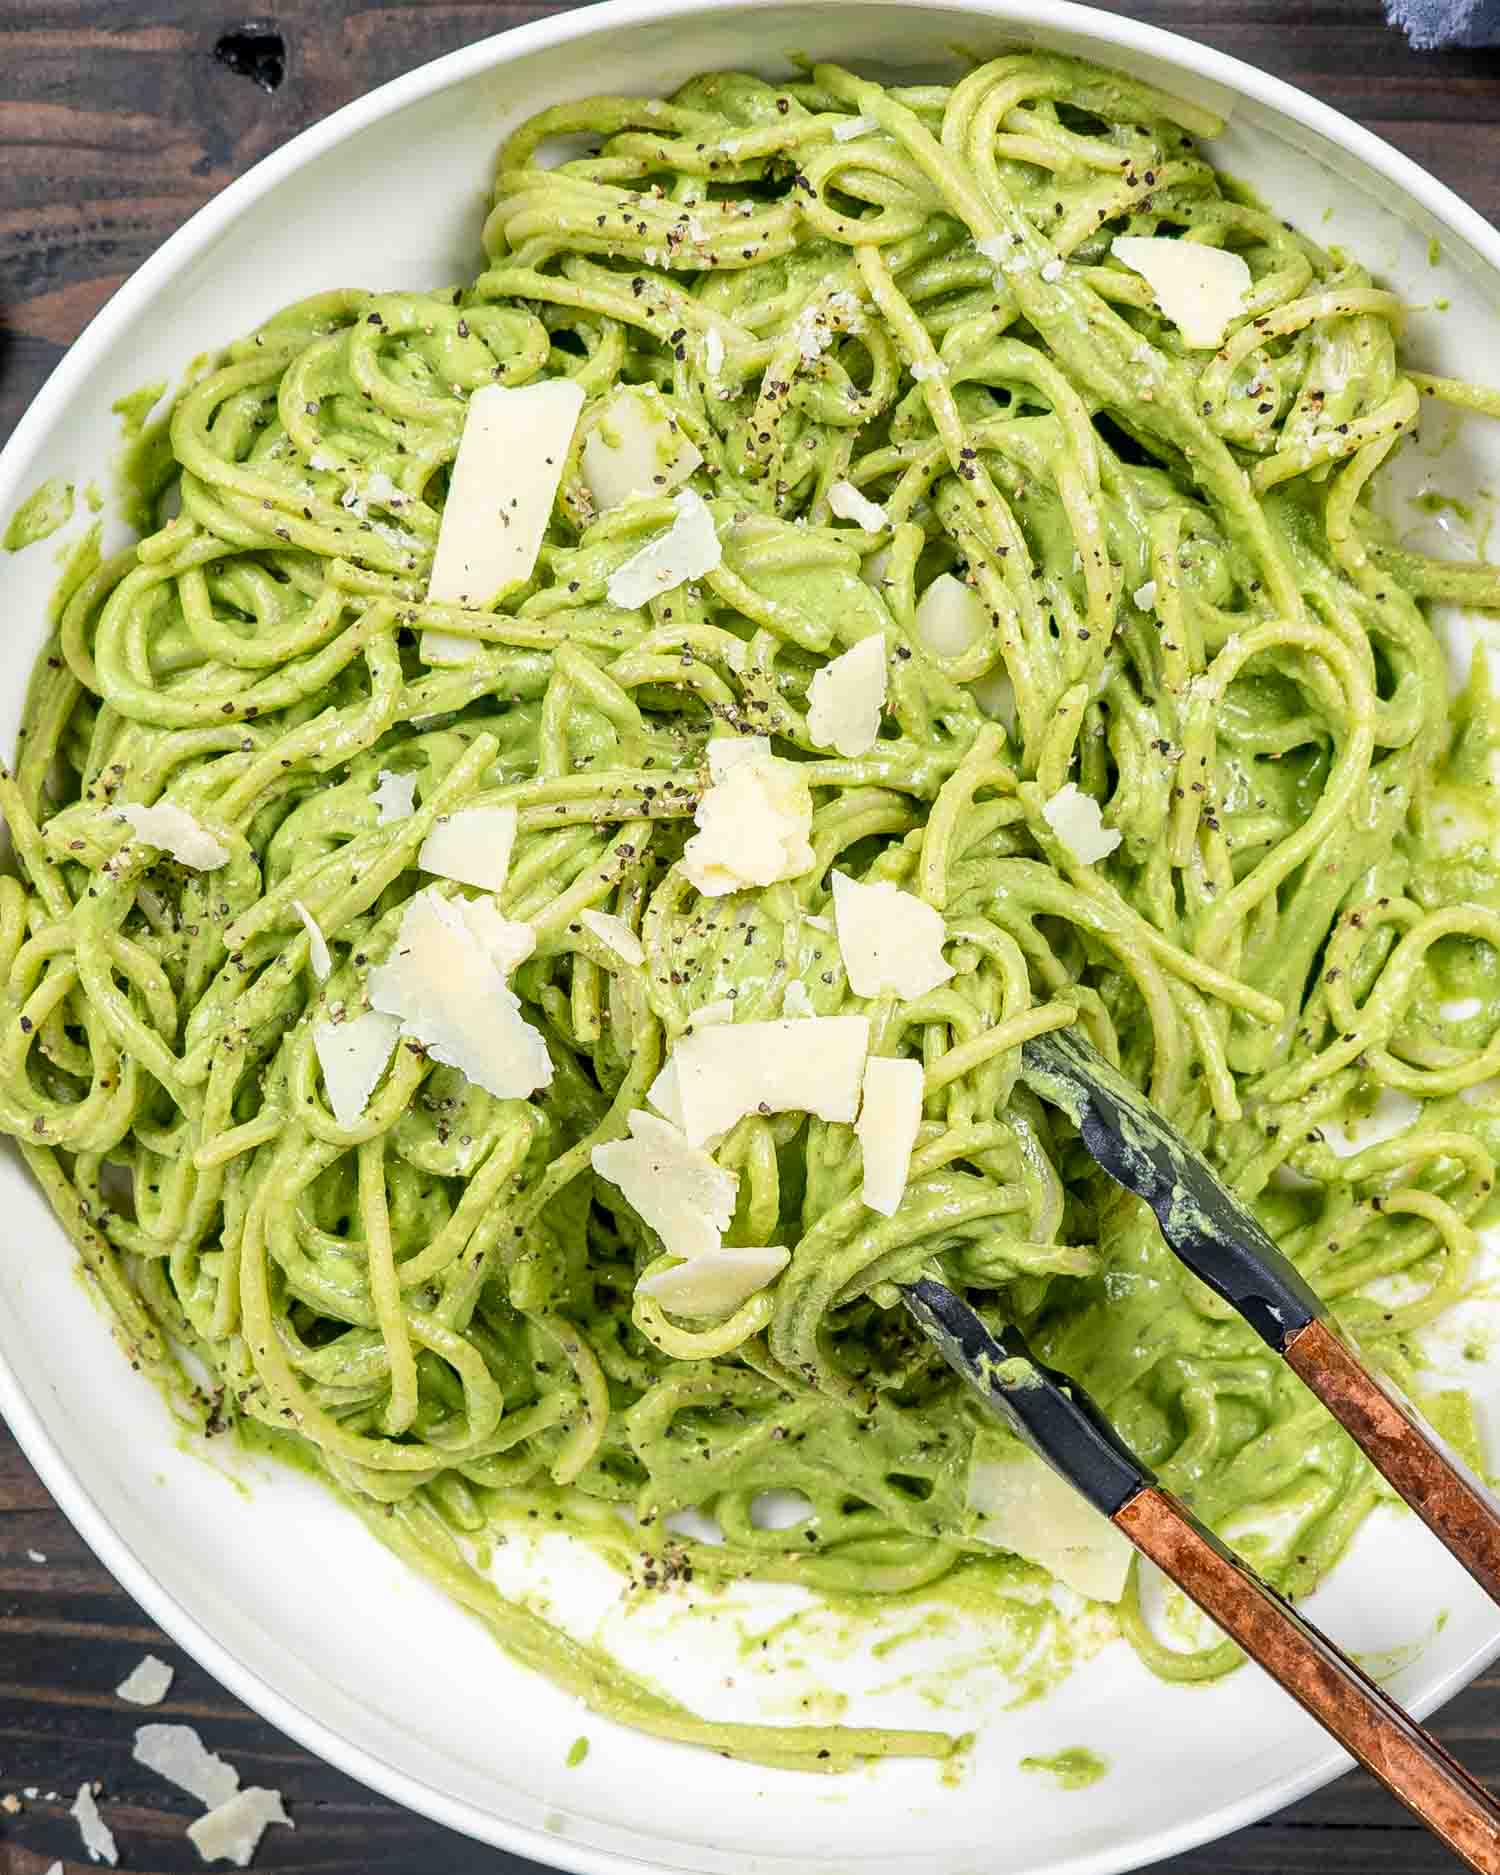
<point>98,1838</point>
<point>232,1831</point>
<point>147,1684</point>
<point>178,1754</point>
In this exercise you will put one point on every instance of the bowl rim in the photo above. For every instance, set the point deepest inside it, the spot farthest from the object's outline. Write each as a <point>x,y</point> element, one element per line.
<point>1109,33</point>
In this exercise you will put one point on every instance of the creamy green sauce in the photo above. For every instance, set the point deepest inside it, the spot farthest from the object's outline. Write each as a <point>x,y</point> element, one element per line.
<point>1187,609</point>
<point>1074,1769</point>
<point>47,508</point>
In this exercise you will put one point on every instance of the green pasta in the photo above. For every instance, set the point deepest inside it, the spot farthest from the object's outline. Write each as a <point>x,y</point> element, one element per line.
<point>1188,612</point>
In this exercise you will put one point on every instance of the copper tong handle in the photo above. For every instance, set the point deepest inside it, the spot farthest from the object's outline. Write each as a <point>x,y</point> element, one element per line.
<point>1365,1720</point>
<point>1454,1505</point>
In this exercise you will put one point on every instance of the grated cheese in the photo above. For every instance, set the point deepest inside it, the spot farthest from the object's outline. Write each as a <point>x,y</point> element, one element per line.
<point>352,1055</point>
<point>889,1116</point>
<point>174,831</point>
<point>446,979</point>
<point>147,1684</point>
<point>721,1073</point>
<point>754,820</point>
<point>845,500</point>
<point>98,1838</point>
<point>503,483</point>
<point>673,1186</point>
<point>689,548</point>
<point>1078,821</point>
<point>636,448</point>
<point>178,1754</point>
<point>615,934</point>
<point>1199,288</point>
<point>717,1283</point>
<point>318,953</point>
<point>472,845</point>
<point>950,617</point>
<point>892,941</point>
<point>394,796</point>
<point>846,697</point>
<point>232,1831</point>
<point>1022,1505</point>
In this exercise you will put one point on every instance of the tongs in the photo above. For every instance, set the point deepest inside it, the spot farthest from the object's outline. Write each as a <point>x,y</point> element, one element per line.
<point>1220,1241</point>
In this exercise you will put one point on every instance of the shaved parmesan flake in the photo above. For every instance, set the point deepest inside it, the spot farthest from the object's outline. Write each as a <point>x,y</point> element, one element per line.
<point>1052,271</point>
<point>1078,821</point>
<point>713,351</point>
<point>98,1839</point>
<point>353,1055</point>
<point>996,696</point>
<point>1145,596</point>
<point>994,248</point>
<point>445,978</point>
<point>875,570</point>
<point>845,698</point>
<point>501,489</point>
<point>689,548</point>
<point>850,505</point>
<point>147,1684</point>
<point>317,945</point>
<point>232,1832</point>
<point>1200,289</point>
<point>891,940</point>
<point>1022,1505</point>
<point>472,845</point>
<point>798,1066</point>
<point>715,1284</point>
<point>795,1001</point>
<point>635,448</point>
<point>663,1092</point>
<point>443,648</point>
<point>178,1754</point>
<point>889,1117</point>
<point>614,933</point>
<point>673,1186</point>
<point>394,797</point>
<point>720,1010</point>
<point>175,831</point>
<point>950,617</point>
<point>851,128</point>
<point>754,820</point>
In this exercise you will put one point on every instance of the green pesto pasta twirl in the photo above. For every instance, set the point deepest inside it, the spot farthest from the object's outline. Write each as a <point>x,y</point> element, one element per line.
<point>533,873</point>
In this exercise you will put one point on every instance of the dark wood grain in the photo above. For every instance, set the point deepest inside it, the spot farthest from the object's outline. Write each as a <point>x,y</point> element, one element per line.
<point>116,122</point>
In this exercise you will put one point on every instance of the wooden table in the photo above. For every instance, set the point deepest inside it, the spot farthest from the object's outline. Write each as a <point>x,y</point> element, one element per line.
<point>117,119</point>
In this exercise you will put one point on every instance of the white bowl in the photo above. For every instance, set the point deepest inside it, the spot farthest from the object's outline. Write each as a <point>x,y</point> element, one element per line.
<point>282,1596</point>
